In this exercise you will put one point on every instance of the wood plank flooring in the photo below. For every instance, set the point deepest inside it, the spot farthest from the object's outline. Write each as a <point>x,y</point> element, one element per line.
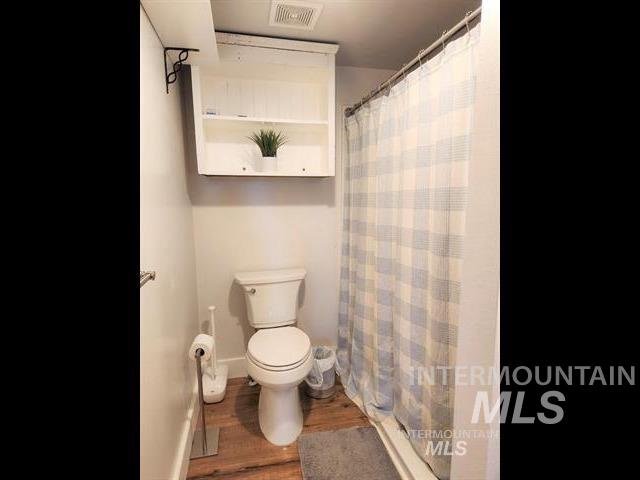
<point>245,454</point>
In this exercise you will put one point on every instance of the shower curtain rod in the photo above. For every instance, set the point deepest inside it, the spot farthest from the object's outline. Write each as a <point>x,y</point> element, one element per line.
<point>446,35</point>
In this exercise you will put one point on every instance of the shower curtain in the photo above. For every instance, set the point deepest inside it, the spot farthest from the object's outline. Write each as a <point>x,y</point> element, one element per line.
<point>405,171</point>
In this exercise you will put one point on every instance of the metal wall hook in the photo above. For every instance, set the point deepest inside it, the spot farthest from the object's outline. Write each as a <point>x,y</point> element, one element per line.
<point>171,77</point>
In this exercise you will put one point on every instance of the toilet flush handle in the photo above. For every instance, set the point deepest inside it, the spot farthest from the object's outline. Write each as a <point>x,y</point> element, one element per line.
<point>250,290</point>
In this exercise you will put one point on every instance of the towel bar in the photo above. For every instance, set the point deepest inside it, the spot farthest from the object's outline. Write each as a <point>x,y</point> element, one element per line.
<point>146,276</point>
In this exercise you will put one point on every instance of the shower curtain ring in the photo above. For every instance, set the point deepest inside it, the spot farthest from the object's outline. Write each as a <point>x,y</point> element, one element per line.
<point>420,57</point>
<point>404,72</point>
<point>466,21</point>
<point>442,40</point>
<point>370,96</point>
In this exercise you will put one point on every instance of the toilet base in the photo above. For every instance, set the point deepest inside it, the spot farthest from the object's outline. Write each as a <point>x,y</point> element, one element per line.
<point>280,415</point>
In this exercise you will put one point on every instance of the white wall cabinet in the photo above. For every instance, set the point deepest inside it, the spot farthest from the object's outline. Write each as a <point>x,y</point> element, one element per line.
<point>259,83</point>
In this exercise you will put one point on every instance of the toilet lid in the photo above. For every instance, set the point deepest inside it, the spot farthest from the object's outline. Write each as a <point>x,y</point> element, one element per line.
<point>279,347</point>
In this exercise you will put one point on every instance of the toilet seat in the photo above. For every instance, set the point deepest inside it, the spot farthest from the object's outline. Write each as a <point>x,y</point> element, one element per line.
<point>279,349</point>
<point>272,368</point>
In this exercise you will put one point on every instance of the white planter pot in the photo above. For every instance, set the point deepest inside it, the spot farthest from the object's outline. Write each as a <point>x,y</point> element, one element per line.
<point>268,164</point>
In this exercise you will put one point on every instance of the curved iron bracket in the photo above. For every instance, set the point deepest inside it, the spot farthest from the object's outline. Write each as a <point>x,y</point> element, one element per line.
<point>171,77</point>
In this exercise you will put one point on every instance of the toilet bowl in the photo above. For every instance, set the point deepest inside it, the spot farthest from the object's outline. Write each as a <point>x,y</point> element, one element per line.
<point>279,359</point>
<point>278,355</point>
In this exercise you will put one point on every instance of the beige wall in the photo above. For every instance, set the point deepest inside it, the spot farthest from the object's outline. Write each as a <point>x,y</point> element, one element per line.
<point>168,305</point>
<point>264,223</point>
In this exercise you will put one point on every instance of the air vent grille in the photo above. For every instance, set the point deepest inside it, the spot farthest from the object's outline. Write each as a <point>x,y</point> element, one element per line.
<point>294,14</point>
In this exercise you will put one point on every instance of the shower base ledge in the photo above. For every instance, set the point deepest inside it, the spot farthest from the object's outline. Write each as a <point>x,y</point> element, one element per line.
<point>408,463</point>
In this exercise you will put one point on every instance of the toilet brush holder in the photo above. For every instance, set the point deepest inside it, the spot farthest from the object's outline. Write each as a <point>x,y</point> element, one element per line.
<point>214,384</point>
<point>215,377</point>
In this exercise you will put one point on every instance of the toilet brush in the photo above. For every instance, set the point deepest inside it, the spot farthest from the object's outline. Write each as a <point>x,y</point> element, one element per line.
<point>214,381</point>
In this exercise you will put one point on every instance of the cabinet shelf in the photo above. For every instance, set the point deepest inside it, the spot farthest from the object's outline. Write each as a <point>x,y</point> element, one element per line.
<point>232,118</point>
<point>252,87</point>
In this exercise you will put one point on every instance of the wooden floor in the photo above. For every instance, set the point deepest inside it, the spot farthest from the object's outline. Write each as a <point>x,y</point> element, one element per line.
<point>244,453</point>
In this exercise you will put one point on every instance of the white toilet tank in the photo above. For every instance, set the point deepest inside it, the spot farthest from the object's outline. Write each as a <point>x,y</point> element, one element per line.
<point>271,296</point>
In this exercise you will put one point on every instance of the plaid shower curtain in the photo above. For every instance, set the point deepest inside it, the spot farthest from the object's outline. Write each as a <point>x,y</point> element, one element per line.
<point>405,171</point>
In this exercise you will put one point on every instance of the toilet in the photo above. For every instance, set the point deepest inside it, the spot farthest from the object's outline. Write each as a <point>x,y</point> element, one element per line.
<point>279,354</point>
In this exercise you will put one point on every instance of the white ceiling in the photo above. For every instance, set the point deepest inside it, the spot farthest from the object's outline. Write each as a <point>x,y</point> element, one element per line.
<point>371,33</point>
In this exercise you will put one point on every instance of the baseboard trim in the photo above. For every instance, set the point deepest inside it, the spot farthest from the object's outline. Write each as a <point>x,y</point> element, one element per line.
<point>237,366</point>
<point>182,458</point>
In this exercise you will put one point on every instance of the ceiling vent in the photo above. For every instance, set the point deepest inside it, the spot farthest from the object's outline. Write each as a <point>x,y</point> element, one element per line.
<point>294,14</point>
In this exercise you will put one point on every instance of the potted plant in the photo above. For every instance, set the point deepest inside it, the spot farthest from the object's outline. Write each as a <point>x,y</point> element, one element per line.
<point>268,141</point>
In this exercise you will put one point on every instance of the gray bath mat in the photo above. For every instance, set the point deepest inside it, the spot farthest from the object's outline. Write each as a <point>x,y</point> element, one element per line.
<point>345,454</point>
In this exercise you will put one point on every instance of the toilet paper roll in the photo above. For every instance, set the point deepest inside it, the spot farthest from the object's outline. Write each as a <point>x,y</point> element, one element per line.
<point>203,341</point>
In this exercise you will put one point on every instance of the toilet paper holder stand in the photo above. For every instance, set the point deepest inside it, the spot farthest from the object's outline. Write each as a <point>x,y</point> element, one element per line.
<point>205,441</point>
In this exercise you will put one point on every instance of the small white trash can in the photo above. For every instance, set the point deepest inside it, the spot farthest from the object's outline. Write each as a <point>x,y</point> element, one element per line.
<point>321,381</point>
